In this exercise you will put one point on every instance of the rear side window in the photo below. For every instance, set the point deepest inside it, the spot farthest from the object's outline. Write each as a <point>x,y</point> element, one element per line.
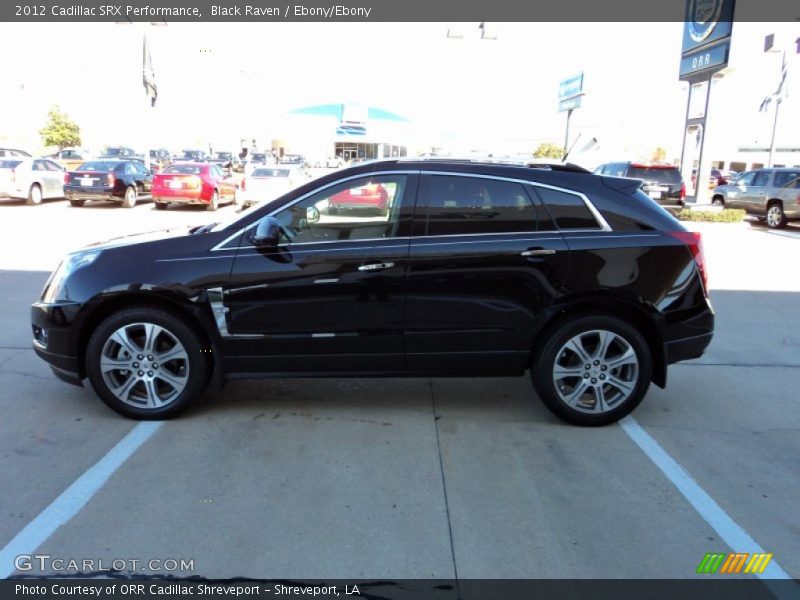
<point>473,205</point>
<point>782,178</point>
<point>10,164</point>
<point>568,210</point>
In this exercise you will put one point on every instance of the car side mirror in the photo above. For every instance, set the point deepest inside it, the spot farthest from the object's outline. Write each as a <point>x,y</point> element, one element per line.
<point>268,233</point>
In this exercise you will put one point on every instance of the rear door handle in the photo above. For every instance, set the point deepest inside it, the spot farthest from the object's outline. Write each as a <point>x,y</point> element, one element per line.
<point>376,266</point>
<point>537,252</point>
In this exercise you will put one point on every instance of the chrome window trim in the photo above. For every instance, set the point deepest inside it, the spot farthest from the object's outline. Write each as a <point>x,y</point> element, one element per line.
<point>601,221</point>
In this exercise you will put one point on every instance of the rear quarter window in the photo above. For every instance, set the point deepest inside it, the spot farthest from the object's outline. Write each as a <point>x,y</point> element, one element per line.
<point>568,210</point>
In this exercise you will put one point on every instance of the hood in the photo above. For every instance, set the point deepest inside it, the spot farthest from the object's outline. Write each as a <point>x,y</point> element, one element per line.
<point>141,238</point>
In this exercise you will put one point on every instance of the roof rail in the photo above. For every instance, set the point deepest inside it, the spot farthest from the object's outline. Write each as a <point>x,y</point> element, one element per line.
<point>517,162</point>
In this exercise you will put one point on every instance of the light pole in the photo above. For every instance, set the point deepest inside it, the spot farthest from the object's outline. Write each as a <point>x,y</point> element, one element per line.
<point>780,92</point>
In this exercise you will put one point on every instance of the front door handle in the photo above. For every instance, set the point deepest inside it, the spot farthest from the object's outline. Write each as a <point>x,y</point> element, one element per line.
<point>537,252</point>
<point>376,266</point>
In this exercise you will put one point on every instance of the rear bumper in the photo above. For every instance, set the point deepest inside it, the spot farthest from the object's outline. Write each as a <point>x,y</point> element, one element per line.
<point>687,348</point>
<point>73,194</point>
<point>166,195</point>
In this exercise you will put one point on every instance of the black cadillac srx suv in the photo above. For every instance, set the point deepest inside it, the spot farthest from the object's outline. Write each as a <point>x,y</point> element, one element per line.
<point>475,269</point>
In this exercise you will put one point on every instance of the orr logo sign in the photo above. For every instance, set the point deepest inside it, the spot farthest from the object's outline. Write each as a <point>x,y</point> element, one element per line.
<point>734,563</point>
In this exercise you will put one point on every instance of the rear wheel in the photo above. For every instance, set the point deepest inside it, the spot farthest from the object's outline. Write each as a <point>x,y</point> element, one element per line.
<point>776,219</point>
<point>214,204</point>
<point>77,203</point>
<point>129,201</point>
<point>34,195</point>
<point>147,363</point>
<point>592,370</point>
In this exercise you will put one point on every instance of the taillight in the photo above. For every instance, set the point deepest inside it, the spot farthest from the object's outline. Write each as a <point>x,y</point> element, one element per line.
<point>13,175</point>
<point>244,185</point>
<point>66,178</point>
<point>798,200</point>
<point>110,179</point>
<point>694,241</point>
<point>194,182</point>
<point>683,190</point>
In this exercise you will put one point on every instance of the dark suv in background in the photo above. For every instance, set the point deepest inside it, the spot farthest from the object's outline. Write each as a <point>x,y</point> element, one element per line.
<point>663,183</point>
<point>475,269</point>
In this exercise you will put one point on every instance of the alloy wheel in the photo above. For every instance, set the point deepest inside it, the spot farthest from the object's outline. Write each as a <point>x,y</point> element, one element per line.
<point>595,371</point>
<point>144,365</point>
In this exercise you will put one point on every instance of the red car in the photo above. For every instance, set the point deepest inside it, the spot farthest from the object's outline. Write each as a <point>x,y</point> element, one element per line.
<point>372,196</point>
<point>194,183</point>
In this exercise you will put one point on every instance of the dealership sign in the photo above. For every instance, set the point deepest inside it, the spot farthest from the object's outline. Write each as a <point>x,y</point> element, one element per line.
<point>570,93</point>
<point>706,38</point>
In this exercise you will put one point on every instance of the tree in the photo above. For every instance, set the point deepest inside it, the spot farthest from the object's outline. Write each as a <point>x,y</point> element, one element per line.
<point>659,154</point>
<point>549,150</point>
<point>60,130</point>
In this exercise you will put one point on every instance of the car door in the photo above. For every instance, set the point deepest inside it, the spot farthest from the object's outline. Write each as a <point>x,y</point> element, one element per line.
<point>225,185</point>
<point>41,174</point>
<point>330,296</point>
<point>736,193</point>
<point>755,196</point>
<point>483,265</point>
<point>56,172</point>
<point>144,178</point>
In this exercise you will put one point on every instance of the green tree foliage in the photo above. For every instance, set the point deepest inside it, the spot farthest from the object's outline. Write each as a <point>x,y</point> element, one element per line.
<point>60,130</point>
<point>549,150</point>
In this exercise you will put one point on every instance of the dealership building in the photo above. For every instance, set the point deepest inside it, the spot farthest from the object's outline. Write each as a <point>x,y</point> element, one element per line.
<point>349,131</point>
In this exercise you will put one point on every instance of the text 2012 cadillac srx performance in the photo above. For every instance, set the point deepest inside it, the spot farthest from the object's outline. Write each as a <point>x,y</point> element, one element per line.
<point>473,269</point>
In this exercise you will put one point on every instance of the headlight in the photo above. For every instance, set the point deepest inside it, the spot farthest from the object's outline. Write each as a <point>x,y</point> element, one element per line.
<point>55,286</point>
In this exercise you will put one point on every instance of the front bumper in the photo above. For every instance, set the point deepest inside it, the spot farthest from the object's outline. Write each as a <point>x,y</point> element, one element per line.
<point>55,340</point>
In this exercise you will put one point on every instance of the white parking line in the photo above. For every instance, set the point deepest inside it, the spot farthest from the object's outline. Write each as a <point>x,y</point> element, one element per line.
<point>733,535</point>
<point>74,498</point>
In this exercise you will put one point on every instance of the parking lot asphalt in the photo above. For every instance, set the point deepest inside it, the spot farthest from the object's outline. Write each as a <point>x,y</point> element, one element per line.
<point>378,478</point>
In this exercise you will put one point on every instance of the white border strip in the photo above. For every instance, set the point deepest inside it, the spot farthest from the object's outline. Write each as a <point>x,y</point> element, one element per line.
<point>733,535</point>
<point>74,498</point>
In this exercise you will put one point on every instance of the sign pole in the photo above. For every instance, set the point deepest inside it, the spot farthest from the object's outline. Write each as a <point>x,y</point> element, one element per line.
<point>566,136</point>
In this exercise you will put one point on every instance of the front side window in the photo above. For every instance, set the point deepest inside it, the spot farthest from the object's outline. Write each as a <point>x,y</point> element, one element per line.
<point>746,178</point>
<point>568,210</point>
<point>453,205</point>
<point>358,209</point>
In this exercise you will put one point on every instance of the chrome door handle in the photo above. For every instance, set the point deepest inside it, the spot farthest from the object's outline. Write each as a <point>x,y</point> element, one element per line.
<point>538,252</point>
<point>376,266</point>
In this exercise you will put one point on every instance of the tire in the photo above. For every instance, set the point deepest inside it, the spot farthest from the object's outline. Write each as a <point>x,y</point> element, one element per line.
<point>121,339</point>
<point>129,201</point>
<point>77,203</point>
<point>625,344</point>
<point>161,205</point>
<point>776,219</point>
<point>214,204</point>
<point>718,201</point>
<point>34,195</point>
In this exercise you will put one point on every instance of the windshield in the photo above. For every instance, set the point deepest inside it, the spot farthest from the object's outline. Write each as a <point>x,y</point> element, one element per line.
<point>270,173</point>
<point>100,166</point>
<point>657,174</point>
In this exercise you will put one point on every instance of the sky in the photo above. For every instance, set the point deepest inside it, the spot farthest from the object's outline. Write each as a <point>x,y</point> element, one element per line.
<point>219,83</point>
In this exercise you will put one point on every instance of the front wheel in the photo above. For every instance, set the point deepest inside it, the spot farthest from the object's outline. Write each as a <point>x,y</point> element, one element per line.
<point>593,370</point>
<point>129,201</point>
<point>147,363</point>
<point>34,195</point>
<point>776,219</point>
